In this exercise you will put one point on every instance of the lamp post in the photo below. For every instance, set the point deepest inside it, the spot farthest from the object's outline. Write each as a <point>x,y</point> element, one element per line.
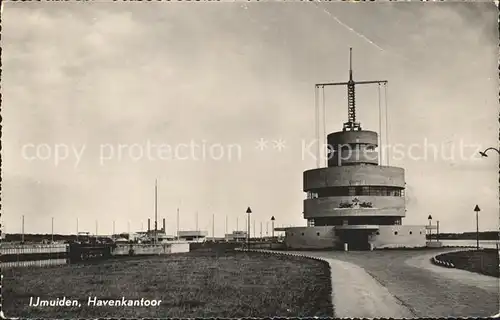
<point>22,226</point>
<point>272,232</point>
<point>476,209</point>
<point>430,227</point>
<point>437,230</point>
<point>272,227</point>
<point>248,228</point>
<point>483,154</point>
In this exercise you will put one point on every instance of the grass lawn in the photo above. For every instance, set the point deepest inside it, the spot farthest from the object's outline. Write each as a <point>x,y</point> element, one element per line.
<point>196,284</point>
<point>483,261</point>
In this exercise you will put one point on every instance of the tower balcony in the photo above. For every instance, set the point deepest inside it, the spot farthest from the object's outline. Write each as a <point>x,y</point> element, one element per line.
<point>353,137</point>
<point>346,206</point>
<point>360,175</point>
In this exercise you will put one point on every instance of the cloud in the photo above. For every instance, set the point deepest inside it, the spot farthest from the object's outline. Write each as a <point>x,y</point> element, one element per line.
<point>107,73</point>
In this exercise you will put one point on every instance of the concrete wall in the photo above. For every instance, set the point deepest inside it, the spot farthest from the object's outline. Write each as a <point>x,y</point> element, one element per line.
<point>150,249</point>
<point>354,176</point>
<point>340,158</point>
<point>353,137</point>
<point>388,239</point>
<point>179,247</point>
<point>330,206</point>
<point>308,238</point>
<point>192,233</point>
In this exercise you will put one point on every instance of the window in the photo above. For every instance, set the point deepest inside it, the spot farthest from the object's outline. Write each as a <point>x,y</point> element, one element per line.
<point>317,233</point>
<point>351,191</point>
<point>395,233</point>
<point>358,191</point>
<point>311,195</point>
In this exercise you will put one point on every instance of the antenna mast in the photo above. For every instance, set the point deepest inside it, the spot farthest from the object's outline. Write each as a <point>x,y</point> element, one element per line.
<point>156,211</point>
<point>351,102</point>
<point>351,123</point>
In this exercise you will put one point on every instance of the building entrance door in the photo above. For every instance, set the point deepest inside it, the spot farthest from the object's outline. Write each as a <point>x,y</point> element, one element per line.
<point>357,240</point>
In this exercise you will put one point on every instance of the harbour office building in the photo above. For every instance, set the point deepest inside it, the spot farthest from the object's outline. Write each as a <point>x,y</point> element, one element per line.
<point>354,202</point>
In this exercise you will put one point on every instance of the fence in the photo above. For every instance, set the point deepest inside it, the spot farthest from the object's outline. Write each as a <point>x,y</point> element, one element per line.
<point>28,255</point>
<point>32,255</point>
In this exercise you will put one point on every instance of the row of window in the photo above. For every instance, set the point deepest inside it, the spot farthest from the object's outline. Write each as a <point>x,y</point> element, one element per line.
<point>354,220</point>
<point>356,191</point>
<point>349,147</point>
<point>377,233</point>
<point>317,233</point>
<point>396,233</point>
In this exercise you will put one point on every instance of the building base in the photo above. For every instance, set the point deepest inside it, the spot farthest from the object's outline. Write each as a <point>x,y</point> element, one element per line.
<point>361,237</point>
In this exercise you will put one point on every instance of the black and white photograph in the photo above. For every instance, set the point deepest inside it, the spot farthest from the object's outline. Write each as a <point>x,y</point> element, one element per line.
<point>250,159</point>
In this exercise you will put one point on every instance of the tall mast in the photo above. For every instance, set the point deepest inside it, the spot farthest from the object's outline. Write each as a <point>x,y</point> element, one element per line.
<point>156,211</point>
<point>351,102</point>
<point>177,223</point>
<point>351,123</point>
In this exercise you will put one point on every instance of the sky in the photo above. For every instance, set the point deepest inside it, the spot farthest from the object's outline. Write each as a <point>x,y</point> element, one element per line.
<point>100,99</point>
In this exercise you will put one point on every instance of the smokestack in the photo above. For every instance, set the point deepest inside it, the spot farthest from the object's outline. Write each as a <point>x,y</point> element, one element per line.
<point>164,230</point>
<point>149,225</point>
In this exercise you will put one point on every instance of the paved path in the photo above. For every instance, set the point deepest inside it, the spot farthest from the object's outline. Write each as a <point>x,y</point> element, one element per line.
<point>417,288</point>
<point>490,284</point>
<point>357,295</point>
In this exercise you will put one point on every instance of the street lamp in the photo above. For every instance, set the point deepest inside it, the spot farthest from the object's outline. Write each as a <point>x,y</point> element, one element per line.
<point>476,209</point>
<point>272,232</point>
<point>430,227</point>
<point>272,227</point>
<point>437,230</point>
<point>248,228</point>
